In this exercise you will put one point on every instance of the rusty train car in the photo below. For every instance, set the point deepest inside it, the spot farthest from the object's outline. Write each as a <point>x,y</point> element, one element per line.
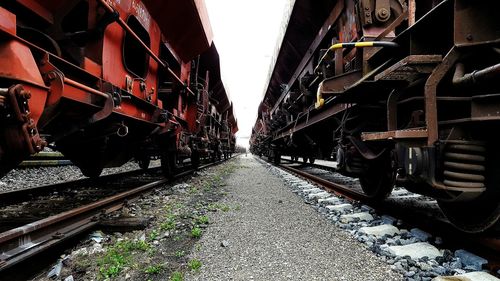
<point>399,92</point>
<point>106,81</point>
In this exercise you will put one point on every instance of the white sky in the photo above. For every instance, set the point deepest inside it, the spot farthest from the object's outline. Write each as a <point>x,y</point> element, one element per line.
<point>245,34</point>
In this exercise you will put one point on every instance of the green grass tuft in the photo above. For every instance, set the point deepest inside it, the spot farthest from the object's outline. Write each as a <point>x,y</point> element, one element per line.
<point>118,257</point>
<point>154,269</point>
<point>202,220</point>
<point>177,276</point>
<point>196,232</point>
<point>194,264</point>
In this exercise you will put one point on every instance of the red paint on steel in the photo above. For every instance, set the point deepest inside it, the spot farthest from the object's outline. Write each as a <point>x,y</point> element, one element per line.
<point>41,10</point>
<point>125,26</point>
<point>7,21</point>
<point>179,18</point>
<point>84,88</point>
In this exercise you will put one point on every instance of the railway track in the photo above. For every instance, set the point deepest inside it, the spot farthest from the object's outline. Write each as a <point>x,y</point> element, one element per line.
<point>430,220</point>
<point>20,195</point>
<point>23,242</point>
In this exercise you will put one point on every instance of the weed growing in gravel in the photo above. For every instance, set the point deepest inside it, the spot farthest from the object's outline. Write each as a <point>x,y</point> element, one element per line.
<point>225,208</point>
<point>169,207</point>
<point>196,232</point>
<point>180,254</point>
<point>177,238</point>
<point>217,180</point>
<point>207,186</point>
<point>173,206</point>
<point>154,269</point>
<point>177,276</point>
<point>213,207</point>
<point>118,256</point>
<point>169,223</point>
<point>193,190</point>
<point>202,220</point>
<point>194,264</point>
<point>153,235</point>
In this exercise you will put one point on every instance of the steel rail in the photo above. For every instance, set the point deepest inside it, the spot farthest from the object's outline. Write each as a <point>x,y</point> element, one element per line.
<point>14,196</point>
<point>21,243</point>
<point>329,186</point>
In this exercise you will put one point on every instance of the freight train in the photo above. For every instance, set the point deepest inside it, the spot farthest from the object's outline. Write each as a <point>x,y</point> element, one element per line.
<point>107,81</point>
<point>399,92</point>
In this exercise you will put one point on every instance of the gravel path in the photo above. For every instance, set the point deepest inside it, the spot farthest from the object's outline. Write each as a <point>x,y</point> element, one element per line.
<point>273,235</point>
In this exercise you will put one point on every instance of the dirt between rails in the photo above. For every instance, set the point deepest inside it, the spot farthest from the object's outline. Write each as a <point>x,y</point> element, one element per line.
<point>177,214</point>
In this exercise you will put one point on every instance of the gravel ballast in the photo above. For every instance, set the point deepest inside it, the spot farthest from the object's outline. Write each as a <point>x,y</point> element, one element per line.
<point>273,235</point>
<point>36,176</point>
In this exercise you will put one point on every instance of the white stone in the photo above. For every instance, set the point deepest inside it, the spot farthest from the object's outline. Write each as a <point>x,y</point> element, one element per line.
<point>340,208</point>
<point>400,192</point>
<point>356,217</point>
<point>415,250</point>
<point>331,200</point>
<point>471,276</point>
<point>312,190</point>
<point>320,195</point>
<point>380,230</point>
<point>409,196</point>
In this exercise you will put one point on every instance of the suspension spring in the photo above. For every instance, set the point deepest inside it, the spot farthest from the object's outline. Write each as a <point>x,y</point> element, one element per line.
<point>464,165</point>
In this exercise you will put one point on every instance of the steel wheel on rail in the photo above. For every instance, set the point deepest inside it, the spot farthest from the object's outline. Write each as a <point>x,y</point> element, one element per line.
<point>195,159</point>
<point>143,162</point>
<point>473,216</point>
<point>168,164</point>
<point>377,181</point>
<point>304,159</point>
<point>91,171</point>
<point>477,213</point>
<point>276,158</point>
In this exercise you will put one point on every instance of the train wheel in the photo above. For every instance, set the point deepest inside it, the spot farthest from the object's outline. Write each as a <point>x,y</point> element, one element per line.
<point>277,158</point>
<point>168,166</point>
<point>91,171</point>
<point>378,179</point>
<point>144,162</point>
<point>473,216</point>
<point>304,159</point>
<point>311,160</point>
<point>195,160</point>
